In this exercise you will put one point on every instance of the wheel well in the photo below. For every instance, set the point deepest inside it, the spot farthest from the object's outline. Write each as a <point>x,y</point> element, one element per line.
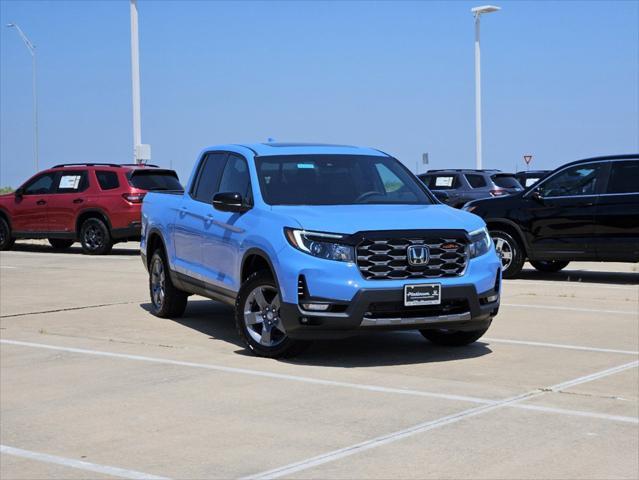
<point>154,241</point>
<point>92,214</point>
<point>509,229</point>
<point>254,263</point>
<point>6,217</point>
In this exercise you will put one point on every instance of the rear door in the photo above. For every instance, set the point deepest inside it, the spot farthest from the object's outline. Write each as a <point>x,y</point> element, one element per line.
<point>195,214</point>
<point>617,215</point>
<point>562,212</point>
<point>30,209</point>
<point>67,199</point>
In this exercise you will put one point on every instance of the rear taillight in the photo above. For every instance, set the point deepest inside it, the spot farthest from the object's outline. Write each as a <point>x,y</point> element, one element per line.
<point>498,193</point>
<point>133,197</point>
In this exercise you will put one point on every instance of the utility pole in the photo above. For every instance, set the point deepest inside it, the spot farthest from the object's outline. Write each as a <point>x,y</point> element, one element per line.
<point>141,152</point>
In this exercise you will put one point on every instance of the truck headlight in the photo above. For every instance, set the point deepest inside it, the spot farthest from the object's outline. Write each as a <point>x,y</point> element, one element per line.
<point>321,245</point>
<point>480,242</point>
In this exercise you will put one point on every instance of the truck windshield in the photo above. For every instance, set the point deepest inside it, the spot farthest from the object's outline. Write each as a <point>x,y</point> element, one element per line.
<point>337,180</point>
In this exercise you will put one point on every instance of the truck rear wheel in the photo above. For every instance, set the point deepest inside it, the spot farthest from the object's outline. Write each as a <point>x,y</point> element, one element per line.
<point>166,300</point>
<point>6,241</point>
<point>453,338</point>
<point>257,310</point>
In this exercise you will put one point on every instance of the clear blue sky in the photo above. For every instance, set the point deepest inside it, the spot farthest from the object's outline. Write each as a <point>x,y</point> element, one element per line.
<point>561,79</point>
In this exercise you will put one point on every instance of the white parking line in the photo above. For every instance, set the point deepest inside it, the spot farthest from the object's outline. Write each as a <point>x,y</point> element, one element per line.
<point>565,283</point>
<point>559,345</point>
<point>7,266</point>
<point>317,381</point>
<point>571,309</point>
<point>293,468</point>
<point>79,464</point>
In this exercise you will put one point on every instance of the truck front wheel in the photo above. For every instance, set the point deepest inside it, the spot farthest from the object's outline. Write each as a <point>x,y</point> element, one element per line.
<point>166,300</point>
<point>257,317</point>
<point>453,338</point>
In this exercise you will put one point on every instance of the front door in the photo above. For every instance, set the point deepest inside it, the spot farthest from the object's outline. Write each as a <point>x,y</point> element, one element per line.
<point>617,216</point>
<point>30,208</point>
<point>562,210</point>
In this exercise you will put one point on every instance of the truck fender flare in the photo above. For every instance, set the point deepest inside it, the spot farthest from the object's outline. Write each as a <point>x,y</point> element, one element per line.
<point>260,253</point>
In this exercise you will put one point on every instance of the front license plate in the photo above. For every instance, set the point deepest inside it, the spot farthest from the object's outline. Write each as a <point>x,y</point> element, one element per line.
<point>424,294</point>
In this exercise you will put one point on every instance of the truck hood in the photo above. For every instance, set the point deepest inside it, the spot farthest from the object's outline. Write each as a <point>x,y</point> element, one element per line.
<point>350,219</point>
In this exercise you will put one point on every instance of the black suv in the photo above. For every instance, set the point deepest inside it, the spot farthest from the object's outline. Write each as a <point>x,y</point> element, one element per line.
<point>462,186</point>
<point>586,210</point>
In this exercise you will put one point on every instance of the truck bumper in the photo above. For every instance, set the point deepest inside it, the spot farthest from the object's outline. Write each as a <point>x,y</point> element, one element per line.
<point>461,308</point>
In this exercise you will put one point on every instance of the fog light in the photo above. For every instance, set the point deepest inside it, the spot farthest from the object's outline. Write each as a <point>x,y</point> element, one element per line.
<point>318,307</point>
<point>492,298</point>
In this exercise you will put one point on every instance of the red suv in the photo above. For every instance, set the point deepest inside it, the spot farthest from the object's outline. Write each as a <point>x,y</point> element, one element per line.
<point>97,204</point>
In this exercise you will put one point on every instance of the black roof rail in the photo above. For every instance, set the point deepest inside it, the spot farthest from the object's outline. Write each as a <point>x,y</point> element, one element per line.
<point>98,164</point>
<point>139,165</point>
<point>464,170</point>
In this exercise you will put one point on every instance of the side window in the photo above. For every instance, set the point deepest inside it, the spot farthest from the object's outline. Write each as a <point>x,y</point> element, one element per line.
<point>575,181</point>
<point>72,181</point>
<point>40,185</point>
<point>443,182</point>
<point>236,176</point>
<point>476,181</point>
<point>107,180</point>
<point>624,177</point>
<point>209,177</point>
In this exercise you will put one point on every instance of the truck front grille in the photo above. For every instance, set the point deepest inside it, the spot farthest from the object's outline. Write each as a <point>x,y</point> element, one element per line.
<point>386,258</point>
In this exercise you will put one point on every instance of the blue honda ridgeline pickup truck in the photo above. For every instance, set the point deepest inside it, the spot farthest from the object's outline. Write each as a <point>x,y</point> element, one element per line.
<point>318,241</point>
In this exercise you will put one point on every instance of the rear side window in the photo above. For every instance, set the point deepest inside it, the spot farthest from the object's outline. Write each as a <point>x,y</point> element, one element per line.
<point>506,181</point>
<point>624,177</point>
<point>107,180</point>
<point>443,182</point>
<point>72,181</point>
<point>236,176</point>
<point>209,177</point>
<point>154,180</point>
<point>476,181</point>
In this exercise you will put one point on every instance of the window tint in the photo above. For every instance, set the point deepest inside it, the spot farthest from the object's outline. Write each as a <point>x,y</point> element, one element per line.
<point>40,185</point>
<point>209,177</point>
<point>476,181</point>
<point>624,177</point>
<point>443,182</point>
<point>236,176</point>
<point>155,180</point>
<point>107,180</point>
<point>577,180</point>
<point>390,181</point>
<point>506,181</point>
<point>72,181</point>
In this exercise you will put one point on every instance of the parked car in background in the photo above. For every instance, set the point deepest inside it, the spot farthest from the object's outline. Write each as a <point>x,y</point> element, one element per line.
<point>97,204</point>
<point>586,210</point>
<point>318,241</point>
<point>463,185</point>
<point>530,177</point>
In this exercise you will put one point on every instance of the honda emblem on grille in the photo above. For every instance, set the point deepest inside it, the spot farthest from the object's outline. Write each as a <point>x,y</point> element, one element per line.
<point>417,255</point>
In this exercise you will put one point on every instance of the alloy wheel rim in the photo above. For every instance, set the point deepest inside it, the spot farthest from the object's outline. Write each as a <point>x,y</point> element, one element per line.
<point>157,283</point>
<point>93,237</point>
<point>262,316</point>
<point>505,252</point>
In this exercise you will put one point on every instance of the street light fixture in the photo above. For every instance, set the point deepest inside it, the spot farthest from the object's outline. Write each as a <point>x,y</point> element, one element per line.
<point>477,13</point>
<point>32,50</point>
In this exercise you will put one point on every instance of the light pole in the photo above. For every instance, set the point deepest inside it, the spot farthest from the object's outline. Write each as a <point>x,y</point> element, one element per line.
<point>32,50</point>
<point>141,152</point>
<point>477,12</point>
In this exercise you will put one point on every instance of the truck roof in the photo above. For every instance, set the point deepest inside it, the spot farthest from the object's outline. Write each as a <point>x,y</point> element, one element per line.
<point>277,148</point>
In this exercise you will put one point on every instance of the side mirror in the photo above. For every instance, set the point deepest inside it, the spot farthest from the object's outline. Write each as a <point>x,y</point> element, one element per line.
<point>230,202</point>
<point>19,192</point>
<point>536,196</point>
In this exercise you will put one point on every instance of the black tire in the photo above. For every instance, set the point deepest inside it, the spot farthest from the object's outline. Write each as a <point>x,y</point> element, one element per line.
<point>279,344</point>
<point>549,266</point>
<point>166,300</point>
<point>6,240</point>
<point>60,243</point>
<point>95,237</point>
<point>510,251</point>
<point>451,338</point>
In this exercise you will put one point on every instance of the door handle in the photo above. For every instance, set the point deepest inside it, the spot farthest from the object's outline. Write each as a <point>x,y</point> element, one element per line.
<point>78,200</point>
<point>41,202</point>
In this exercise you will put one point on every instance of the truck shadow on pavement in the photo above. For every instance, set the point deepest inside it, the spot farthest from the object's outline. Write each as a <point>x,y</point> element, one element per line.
<point>373,349</point>
<point>582,276</point>
<point>75,249</point>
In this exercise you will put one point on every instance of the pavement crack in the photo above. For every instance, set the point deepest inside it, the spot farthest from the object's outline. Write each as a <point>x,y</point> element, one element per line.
<point>583,394</point>
<point>68,309</point>
<point>108,339</point>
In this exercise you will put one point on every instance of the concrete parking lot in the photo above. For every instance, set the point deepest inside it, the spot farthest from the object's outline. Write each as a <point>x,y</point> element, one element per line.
<point>94,386</point>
